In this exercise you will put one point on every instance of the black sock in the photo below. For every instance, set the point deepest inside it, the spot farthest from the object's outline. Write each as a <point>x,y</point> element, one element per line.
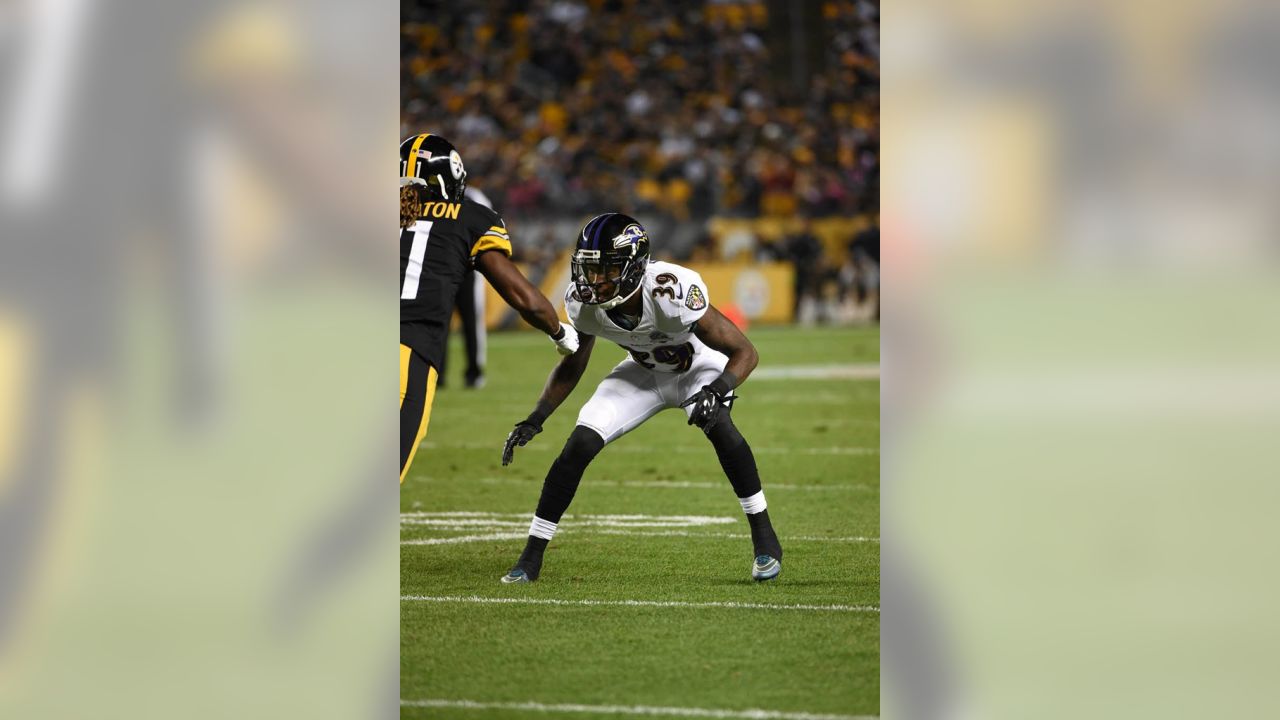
<point>736,458</point>
<point>739,464</point>
<point>562,479</point>
<point>763,538</point>
<point>557,492</point>
<point>531,559</point>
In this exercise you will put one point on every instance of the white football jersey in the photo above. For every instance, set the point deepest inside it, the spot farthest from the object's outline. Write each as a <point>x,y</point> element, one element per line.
<point>672,299</point>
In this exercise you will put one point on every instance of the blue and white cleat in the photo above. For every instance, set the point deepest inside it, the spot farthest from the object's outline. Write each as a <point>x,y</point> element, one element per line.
<point>764,568</point>
<point>516,575</point>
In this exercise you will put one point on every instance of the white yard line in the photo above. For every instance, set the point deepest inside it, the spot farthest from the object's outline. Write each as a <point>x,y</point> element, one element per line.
<point>465,523</point>
<point>690,484</point>
<point>467,538</point>
<point>682,519</point>
<point>514,535</point>
<point>655,450</point>
<point>644,710</point>
<point>499,522</point>
<point>779,398</point>
<point>476,599</point>
<point>457,513</point>
<point>462,523</point>
<point>863,371</point>
<point>734,536</point>
<point>830,450</point>
<point>513,526</point>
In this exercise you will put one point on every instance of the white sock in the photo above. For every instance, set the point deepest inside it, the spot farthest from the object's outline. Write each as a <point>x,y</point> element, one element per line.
<point>544,529</point>
<point>754,504</point>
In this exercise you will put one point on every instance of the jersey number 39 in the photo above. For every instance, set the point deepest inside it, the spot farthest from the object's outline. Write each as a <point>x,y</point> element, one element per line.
<point>679,355</point>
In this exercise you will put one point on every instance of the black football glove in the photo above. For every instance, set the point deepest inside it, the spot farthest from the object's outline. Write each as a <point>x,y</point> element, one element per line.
<point>519,436</point>
<point>708,405</point>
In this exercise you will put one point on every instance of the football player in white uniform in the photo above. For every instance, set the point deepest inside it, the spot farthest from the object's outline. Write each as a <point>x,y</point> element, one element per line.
<point>683,354</point>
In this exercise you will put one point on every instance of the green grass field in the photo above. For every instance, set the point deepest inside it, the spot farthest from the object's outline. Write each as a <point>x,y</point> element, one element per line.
<point>654,521</point>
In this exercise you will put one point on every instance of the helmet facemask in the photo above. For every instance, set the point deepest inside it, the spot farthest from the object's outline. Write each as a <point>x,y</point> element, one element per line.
<point>610,259</point>
<point>607,280</point>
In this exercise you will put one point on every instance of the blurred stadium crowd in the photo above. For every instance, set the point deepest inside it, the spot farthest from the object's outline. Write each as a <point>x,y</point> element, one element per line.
<point>693,116</point>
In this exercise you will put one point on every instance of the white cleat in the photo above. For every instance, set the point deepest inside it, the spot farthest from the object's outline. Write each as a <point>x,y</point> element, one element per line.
<point>765,568</point>
<point>516,575</point>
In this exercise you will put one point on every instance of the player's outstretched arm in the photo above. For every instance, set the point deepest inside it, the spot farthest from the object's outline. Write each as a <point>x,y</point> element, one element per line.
<point>718,333</point>
<point>563,379</point>
<point>525,299</point>
<point>565,375</point>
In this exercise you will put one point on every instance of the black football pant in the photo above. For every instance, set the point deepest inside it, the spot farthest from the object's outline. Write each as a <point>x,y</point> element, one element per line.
<point>417,391</point>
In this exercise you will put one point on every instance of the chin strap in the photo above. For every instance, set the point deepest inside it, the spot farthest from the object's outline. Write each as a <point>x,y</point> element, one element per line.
<point>611,304</point>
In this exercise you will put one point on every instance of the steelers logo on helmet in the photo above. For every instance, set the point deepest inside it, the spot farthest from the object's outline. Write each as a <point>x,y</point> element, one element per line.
<point>432,162</point>
<point>609,260</point>
<point>455,165</point>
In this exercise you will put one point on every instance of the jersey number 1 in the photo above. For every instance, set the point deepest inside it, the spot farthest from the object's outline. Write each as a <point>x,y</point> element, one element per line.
<point>413,271</point>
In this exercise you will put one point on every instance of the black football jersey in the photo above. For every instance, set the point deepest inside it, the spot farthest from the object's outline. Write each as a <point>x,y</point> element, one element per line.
<point>435,255</point>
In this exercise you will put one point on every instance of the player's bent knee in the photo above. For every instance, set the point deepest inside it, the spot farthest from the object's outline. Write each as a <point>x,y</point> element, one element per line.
<point>725,432</point>
<point>583,445</point>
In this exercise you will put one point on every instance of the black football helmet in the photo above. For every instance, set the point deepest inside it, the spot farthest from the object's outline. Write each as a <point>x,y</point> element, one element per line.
<point>609,260</point>
<point>432,162</point>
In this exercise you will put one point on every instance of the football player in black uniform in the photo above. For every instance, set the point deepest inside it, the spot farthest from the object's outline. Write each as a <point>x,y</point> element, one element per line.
<point>443,234</point>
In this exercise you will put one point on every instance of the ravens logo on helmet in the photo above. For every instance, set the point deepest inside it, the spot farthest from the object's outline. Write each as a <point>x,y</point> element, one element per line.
<point>609,260</point>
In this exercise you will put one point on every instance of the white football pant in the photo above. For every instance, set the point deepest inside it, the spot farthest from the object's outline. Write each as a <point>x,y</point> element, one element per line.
<point>633,393</point>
